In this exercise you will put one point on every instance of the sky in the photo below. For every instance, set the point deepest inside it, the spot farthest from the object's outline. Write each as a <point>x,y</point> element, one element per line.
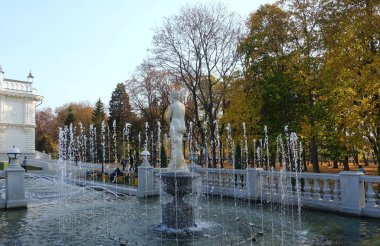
<point>79,50</point>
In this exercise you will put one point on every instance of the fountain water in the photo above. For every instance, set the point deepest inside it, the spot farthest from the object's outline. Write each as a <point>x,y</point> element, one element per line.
<point>60,213</point>
<point>178,183</point>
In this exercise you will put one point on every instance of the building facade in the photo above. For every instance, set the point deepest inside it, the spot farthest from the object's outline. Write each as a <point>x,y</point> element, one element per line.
<point>18,102</point>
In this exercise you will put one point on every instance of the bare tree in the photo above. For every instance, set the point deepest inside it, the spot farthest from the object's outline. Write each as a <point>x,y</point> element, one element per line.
<point>198,46</point>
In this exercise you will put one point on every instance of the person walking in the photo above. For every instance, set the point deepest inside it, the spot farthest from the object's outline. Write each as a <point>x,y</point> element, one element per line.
<point>23,164</point>
<point>361,169</point>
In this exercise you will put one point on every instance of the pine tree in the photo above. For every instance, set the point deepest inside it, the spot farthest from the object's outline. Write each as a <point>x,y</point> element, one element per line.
<point>120,111</point>
<point>98,114</point>
<point>70,117</point>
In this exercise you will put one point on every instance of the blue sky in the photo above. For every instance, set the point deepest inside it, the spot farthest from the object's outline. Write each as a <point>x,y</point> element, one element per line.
<point>78,50</point>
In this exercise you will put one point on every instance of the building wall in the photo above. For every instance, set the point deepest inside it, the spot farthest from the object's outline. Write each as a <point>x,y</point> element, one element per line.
<point>17,124</point>
<point>18,103</point>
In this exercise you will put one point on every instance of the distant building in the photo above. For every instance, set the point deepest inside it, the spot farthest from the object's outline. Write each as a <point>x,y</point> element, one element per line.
<point>18,102</point>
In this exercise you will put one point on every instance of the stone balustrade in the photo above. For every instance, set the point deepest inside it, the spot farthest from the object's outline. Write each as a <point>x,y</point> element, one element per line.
<point>347,192</point>
<point>18,85</point>
<point>371,207</point>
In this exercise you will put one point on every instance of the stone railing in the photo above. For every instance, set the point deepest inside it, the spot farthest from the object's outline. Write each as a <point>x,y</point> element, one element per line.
<point>371,207</point>
<point>42,156</point>
<point>18,85</point>
<point>347,192</point>
<point>224,182</point>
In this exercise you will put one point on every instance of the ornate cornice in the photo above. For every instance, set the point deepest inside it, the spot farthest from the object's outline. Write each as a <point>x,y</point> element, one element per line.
<point>21,95</point>
<point>16,125</point>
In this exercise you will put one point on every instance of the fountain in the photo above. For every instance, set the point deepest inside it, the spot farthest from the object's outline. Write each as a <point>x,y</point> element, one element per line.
<point>229,207</point>
<point>178,181</point>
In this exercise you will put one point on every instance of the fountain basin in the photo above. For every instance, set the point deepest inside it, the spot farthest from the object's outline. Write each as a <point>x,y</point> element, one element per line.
<point>179,212</point>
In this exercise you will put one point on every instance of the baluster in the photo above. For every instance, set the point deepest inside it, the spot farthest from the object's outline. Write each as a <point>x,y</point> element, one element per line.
<point>267,184</point>
<point>272,185</point>
<point>306,188</point>
<point>238,182</point>
<point>244,183</point>
<point>232,182</point>
<point>371,202</point>
<point>289,186</point>
<point>223,180</point>
<point>316,190</point>
<point>336,191</point>
<point>264,183</point>
<point>219,181</point>
<point>326,190</point>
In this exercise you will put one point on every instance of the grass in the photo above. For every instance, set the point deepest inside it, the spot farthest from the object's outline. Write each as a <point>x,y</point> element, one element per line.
<point>33,168</point>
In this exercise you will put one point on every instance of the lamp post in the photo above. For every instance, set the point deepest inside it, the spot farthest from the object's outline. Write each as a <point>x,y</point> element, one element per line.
<point>13,154</point>
<point>145,154</point>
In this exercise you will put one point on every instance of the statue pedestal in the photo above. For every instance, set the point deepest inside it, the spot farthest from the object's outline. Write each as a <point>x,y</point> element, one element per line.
<point>15,187</point>
<point>179,213</point>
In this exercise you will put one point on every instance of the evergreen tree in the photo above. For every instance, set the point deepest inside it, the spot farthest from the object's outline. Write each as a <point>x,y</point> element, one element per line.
<point>98,114</point>
<point>119,111</point>
<point>238,157</point>
<point>70,117</point>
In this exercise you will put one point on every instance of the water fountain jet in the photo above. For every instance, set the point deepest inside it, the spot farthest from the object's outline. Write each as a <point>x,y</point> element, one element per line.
<point>178,181</point>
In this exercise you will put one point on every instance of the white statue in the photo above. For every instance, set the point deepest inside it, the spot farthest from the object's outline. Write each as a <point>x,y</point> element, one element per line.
<point>176,114</point>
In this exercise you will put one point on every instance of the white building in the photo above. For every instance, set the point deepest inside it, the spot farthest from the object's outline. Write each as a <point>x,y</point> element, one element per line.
<point>18,102</point>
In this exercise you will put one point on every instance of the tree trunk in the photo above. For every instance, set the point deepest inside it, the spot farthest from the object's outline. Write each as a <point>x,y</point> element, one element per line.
<point>314,155</point>
<point>365,159</point>
<point>304,161</point>
<point>313,142</point>
<point>335,164</point>
<point>346,167</point>
<point>198,125</point>
<point>355,157</point>
<point>213,143</point>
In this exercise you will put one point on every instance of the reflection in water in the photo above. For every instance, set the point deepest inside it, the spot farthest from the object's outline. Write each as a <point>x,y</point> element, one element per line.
<point>61,214</point>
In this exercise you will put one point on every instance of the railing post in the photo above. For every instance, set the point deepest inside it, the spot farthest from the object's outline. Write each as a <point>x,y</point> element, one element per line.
<point>145,182</point>
<point>254,182</point>
<point>15,187</point>
<point>3,203</point>
<point>352,192</point>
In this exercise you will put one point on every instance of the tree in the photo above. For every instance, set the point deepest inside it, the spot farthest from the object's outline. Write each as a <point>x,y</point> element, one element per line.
<point>164,158</point>
<point>198,46</point>
<point>70,117</point>
<point>266,94</point>
<point>352,61</point>
<point>98,116</point>
<point>98,113</point>
<point>238,157</point>
<point>74,113</point>
<point>120,111</point>
<point>149,92</point>
<point>46,131</point>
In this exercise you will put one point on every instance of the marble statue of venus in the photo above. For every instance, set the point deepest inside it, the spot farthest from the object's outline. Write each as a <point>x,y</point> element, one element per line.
<point>176,117</point>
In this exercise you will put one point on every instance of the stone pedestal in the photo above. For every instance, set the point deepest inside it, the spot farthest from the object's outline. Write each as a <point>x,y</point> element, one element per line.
<point>15,187</point>
<point>254,182</point>
<point>178,213</point>
<point>145,182</point>
<point>353,194</point>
